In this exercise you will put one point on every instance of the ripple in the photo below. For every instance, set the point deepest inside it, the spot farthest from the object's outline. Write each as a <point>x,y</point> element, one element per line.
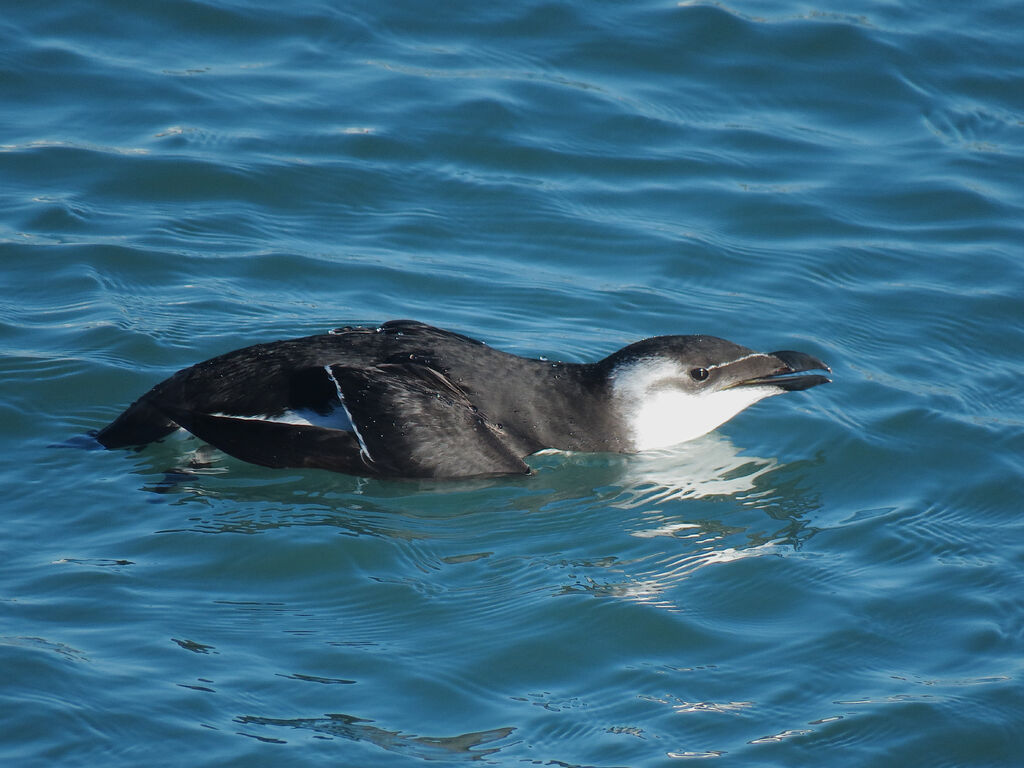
<point>40,643</point>
<point>831,574</point>
<point>465,746</point>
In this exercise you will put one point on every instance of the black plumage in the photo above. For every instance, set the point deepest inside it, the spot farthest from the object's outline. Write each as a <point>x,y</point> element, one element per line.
<point>401,400</point>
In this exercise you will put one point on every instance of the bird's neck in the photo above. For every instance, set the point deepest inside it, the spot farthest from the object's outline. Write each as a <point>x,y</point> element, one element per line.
<point>542,404</point>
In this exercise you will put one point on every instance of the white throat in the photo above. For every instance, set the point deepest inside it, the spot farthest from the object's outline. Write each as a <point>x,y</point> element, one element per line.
<point>659,413</point>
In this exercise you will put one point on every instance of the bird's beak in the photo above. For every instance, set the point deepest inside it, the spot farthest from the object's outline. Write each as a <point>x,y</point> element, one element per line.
<point>787,369</point>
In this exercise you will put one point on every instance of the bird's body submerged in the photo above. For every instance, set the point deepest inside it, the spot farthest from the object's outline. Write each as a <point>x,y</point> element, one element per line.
<point>409,400</point>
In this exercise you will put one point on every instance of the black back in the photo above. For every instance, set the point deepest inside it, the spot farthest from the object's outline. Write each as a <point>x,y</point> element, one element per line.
<point>423,402</point>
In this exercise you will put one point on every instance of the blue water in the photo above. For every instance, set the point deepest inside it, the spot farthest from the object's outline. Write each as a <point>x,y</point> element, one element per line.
<point>834,578</point>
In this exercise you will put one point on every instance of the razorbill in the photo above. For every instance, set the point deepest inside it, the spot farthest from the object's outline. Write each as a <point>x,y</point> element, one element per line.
<point>408,400</point>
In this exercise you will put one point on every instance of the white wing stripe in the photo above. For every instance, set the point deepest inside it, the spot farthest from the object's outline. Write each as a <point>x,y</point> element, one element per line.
<point>363,451</point>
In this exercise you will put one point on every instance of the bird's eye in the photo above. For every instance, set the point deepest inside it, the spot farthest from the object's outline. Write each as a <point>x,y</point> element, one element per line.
<point>699,374</point>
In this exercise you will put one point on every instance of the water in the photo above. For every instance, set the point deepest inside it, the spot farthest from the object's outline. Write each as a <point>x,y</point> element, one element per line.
<point>833,578</point>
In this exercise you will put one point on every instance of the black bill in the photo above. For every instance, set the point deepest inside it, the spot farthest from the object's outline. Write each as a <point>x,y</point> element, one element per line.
<point>790,375</point>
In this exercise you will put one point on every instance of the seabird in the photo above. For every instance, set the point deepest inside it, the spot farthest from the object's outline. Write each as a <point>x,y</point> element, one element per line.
<point>405,399</point>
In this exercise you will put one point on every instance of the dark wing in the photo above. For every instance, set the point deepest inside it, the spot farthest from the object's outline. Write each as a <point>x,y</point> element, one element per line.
<point>273,378</point>
<point>262,380</point>
<point>406,419</point>
<point>412,421</point>
<point>275,444</point>
<point>140,423</point>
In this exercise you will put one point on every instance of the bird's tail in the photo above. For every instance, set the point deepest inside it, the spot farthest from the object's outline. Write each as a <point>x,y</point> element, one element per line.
<point>140,423</point>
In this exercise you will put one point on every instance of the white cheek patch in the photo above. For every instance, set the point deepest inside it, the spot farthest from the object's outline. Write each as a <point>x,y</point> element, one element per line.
<point>669,416</point>
<point>660,415</point>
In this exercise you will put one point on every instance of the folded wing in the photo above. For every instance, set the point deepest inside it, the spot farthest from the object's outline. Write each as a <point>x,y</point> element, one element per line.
<point>411,420</point>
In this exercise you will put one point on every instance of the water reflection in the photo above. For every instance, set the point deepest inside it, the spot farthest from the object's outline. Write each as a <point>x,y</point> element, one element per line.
<point>464,746</point>
<point>422,571</point>
<point>712,466</point>
<point>708,467</point>
<point>629,527</point>
<point>670,495</point>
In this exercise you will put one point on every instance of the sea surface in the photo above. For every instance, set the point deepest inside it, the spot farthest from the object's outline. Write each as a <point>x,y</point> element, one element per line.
<point>833,578</point>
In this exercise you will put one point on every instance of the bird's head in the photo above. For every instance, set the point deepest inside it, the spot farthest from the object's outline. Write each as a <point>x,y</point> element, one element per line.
<point>670,389</point>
